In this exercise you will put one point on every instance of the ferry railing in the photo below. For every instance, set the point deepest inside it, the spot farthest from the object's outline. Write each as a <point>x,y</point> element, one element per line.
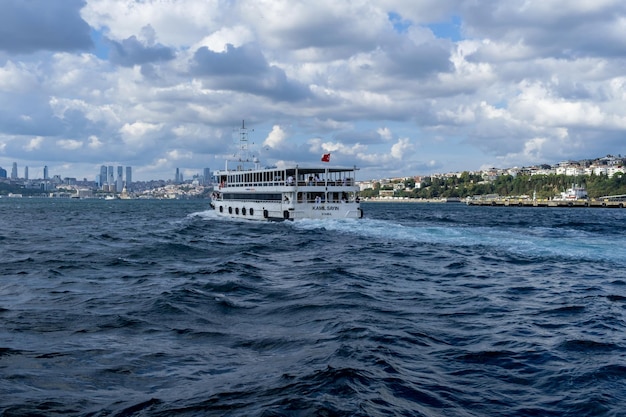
<point>333,183</point>
<point>330,183</point>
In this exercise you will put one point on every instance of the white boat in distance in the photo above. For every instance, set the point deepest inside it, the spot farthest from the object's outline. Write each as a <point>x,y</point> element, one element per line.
<point>576,192</point>
<point>289,193</point>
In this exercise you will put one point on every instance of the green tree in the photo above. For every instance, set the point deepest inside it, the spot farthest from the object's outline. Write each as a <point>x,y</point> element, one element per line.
<point>369,192</point>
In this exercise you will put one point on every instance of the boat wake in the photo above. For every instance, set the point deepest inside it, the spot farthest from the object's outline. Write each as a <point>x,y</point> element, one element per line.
<point>542,241</point>
<point>206,214</point>
<point>568,244</point>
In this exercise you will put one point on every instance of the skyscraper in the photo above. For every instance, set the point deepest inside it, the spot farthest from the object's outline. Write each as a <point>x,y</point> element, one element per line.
<point>110,177</point>
<point>26,172</point>
<point>207,176</point>
<point>45,172</point>
<point>119,183</point>
<point>177,177</point>
<point>103,176</point>
<point>129,178</point>
<point>14,171</point>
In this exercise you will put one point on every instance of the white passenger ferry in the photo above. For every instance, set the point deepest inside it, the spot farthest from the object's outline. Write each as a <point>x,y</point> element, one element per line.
<point>575,192</point>
<point>285,193</point>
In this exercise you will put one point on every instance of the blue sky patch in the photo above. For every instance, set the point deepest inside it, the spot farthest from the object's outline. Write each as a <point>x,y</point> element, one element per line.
<point>400,25</point>
<point>448,30</point>
<point>101,45</point>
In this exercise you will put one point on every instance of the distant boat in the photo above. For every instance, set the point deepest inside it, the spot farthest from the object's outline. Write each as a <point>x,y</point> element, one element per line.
<point>287,193</point>
<point>575,192</point>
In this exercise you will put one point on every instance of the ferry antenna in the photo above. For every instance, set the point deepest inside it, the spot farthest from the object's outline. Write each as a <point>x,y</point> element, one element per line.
<point>243,154</point>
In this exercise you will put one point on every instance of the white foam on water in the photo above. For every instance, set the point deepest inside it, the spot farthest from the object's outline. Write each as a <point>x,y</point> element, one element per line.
<point>574,244</point>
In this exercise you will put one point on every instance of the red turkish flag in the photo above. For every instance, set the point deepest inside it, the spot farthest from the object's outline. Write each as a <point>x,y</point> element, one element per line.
<point>326,157</point>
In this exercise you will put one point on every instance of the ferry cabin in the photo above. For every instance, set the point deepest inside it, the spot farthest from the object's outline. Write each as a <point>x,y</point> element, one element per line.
<point>287,194</point>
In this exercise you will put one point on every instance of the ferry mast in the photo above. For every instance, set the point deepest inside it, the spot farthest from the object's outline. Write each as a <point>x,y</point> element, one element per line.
<point>243,153</point>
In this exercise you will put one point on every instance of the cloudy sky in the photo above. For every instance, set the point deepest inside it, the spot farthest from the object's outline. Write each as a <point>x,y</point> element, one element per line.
<point>395,87</point>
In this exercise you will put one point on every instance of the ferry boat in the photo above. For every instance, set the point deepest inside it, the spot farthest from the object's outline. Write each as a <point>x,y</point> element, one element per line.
<point>575,192</point>
<point>288,193</point>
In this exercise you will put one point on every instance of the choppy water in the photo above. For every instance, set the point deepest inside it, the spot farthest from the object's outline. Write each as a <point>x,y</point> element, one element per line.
<point>158,308</point>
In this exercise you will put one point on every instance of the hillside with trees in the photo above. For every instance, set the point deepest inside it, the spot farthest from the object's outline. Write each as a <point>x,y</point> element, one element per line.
<point>466,184</point>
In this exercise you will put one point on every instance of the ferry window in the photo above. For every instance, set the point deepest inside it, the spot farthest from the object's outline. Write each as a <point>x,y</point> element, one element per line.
<point>252,197</point>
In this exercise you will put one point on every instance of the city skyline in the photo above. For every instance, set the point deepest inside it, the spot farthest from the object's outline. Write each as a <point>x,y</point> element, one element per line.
<point>117,175</point>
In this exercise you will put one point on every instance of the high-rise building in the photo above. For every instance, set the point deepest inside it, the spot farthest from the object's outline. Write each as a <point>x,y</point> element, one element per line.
<point>129,178</point>
<point>177,179</point>
<point>207,176</point>
<point>45,173</point>
<point>119,183</point>
<point>110,177</point>
<point>3,173</point>
<point>14,171</point>
<point>103,176</point>
<point>26,172</point>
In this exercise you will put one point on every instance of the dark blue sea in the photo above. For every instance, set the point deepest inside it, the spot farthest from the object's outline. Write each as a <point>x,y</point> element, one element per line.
<point>159,308</point>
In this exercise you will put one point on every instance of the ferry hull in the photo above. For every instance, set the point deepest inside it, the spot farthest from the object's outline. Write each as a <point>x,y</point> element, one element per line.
<point>280,212</point>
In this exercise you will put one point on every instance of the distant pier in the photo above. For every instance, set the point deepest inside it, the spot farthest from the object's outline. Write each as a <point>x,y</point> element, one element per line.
<point>512,202</point>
